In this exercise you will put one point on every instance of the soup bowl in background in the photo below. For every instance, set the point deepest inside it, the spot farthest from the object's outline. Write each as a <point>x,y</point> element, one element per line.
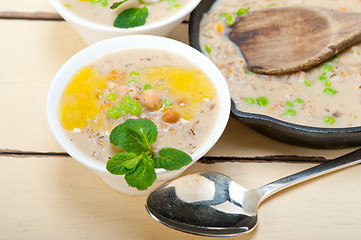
<point>92,32</point>
<point>296,134</point>
<point>95,51</point>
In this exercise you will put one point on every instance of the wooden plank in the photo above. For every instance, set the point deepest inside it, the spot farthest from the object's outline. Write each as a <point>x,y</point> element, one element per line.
<point>57,198</point>
<point>26,6</point>
<point>26,72</point>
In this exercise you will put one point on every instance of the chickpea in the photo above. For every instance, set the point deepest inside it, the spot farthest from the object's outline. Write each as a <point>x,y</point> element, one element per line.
<point>170,115</point>
<point>151,99</point>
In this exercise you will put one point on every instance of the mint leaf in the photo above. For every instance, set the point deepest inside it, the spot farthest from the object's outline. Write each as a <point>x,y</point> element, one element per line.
<point>145,129</point>
<point>171,159</point>
<point>143,176</point>
<point>126,140</point>
<point>134,135</point>
<point>131,17</point>
<point>123,163</point>
<point>117,4</point>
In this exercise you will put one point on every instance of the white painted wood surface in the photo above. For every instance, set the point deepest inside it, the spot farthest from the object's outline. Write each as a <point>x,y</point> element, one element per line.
<point>54,197</point>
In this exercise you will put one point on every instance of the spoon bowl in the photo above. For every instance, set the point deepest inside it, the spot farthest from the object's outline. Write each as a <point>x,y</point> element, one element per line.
<point>207,203</point>
<point>212,204</point>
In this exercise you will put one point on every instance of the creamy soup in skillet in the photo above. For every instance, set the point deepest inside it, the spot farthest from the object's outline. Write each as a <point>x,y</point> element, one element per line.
<point>328,95</point>
<point>156,85</point>
<point>98,11</point>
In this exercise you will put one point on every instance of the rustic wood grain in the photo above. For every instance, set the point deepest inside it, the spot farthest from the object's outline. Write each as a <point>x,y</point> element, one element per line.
<point>45,194</point>
<point>289,39</point>
<point>57,198</point>
<point>31,16</point>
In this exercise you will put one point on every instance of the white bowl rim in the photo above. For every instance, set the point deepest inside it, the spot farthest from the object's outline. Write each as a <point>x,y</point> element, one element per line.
<point>71,17</point>
<point>99,49</point>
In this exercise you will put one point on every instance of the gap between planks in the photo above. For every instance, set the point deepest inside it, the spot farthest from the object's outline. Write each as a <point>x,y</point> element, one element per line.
<point>31,16</point>
<point>205,159</point>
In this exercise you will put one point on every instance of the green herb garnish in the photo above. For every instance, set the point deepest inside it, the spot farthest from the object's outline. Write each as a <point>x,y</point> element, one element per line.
<point>271,5</point>
<point>131,17</point>
<point>229,18</point>
<point>117,4</point>
<point>249,100</point>
<point>104,3</point>
<point>262,101</point>
<point>173,3</point>
<point>290,112</point>
<point>307,82</point>
<point>138,162</point>
<point>207,48</point>
<point>330,91</point>
<point>299,100</point>
<point>328,120</point>
<point>242,11</point>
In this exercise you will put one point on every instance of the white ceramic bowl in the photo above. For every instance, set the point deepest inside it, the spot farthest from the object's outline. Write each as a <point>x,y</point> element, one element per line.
<point>93,52</point>
<point>92,32</point>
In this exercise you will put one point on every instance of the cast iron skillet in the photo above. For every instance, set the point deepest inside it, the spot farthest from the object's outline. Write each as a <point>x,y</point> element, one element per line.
<point>313,137</point>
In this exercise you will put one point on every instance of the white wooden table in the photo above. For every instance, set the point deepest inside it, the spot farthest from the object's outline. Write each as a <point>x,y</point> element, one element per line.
<point>45,194</point>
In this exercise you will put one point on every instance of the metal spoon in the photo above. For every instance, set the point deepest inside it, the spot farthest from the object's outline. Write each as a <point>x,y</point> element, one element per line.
<point>211,204</point>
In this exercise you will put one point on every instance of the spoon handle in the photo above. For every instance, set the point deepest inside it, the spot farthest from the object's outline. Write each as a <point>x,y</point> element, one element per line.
<point>327,167</point>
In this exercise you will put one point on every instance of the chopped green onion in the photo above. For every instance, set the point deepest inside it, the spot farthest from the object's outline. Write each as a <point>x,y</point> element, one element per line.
<point>230,19</point>
<point>290,112</point>
<point>288,103</point>
<point>94,1</point>
<point>299,100</point>
<point>114,113</point>
<point>104,3</point>
<point>147,86</point>
<point>327,68</point>
<point>262,101</point>
<point>174,3</point>
<point>167,102</point>
<point>242,11</point>
<point>330,91</point>
<point>249,100</point>
<point>134,74</point>
<point>328,83</point>
<point>128,100</point>
<point>322,77</point>
<point>307,82</point>
<point>249,72</point>
<point>207,48</point>
<point>328,120</point>
<point>67,5</point>
<point>271,5</point>
<point>125,108</point>
<point>112,96</point>
<point>136,109</point>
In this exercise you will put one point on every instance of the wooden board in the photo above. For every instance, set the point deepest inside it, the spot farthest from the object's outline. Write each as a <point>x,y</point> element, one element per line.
<point>57,198</point>
<point>45,194</point>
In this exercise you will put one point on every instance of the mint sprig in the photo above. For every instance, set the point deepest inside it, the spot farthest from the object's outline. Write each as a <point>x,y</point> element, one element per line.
<point>138,162</point>
<point>135,17</point>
